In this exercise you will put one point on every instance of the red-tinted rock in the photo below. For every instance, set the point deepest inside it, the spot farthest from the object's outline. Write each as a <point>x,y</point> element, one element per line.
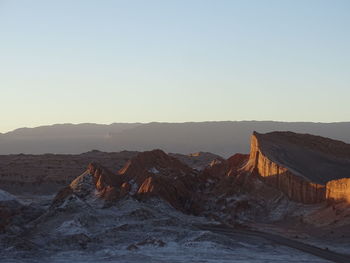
<point>172,191</point>
<point>156,174</point>
<point>236,162</point>
<point>300,165</point>
<point>149,174</point>
<point>102,177</point>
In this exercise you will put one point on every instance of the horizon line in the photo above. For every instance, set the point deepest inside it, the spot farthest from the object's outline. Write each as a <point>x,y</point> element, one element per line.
<point>161,122</point>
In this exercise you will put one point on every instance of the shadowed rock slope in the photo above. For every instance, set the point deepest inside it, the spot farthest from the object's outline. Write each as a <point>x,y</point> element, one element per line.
<point>198,161</point>
<point>14,214</point>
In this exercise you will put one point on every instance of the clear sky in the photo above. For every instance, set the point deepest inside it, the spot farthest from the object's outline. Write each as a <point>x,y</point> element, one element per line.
<point>141,61</point>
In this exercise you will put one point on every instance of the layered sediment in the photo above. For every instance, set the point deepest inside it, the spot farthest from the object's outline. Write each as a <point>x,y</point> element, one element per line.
<point>306,168</point>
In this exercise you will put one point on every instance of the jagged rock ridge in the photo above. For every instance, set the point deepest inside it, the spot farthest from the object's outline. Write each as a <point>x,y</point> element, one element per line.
<point>151,173</point>
<point>48,173</point>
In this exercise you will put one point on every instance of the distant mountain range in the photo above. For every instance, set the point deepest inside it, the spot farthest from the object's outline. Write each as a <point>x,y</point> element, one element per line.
<point>224,137</point>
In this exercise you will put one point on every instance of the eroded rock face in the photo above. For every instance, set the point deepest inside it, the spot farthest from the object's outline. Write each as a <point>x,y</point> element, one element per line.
<point>339,190</point>
<point>155,173</point>
<point>154,162</point>
<point>234,195</point>
<point>299,165</point>
<point>96,182</point>
<point>172,191</point>
<point>48,173</point>
<point>149,174</point>
<point>233,187</point>
<point>236,162</point>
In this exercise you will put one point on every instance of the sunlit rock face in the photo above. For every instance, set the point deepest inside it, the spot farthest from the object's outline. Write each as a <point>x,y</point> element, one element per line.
<point>96,183</point>
<point>339,190</point>
<point>300,165</point>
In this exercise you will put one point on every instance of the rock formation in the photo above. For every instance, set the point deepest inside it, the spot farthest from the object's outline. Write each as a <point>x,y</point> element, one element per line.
<point>96,182</point>
<point>149,174</point>
<point>339,190</point>
<point>47,173</point>
<point>300,165</point>
<point>155,173</point>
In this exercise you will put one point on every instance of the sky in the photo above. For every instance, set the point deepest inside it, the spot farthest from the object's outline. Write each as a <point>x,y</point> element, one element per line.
<point>173,61</point>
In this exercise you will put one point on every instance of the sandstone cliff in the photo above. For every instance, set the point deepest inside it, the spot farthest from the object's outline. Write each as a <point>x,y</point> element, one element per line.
<point>339,190</point>
<point>300,165</point>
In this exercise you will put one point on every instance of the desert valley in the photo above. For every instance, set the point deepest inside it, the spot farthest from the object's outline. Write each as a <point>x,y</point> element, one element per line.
<point>174,131</point>
<point>288,199</point>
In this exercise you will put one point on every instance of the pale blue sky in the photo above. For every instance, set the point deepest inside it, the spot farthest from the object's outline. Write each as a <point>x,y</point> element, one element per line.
<point>140,61</point>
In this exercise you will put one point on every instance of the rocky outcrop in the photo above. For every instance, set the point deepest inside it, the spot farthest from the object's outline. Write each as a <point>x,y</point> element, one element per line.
<point>236,162</point>
<point>299,165</point>
<point>231,193</point>
<point>149,174</point>
<point>96,182</point>
<point>339,190</point>
<point>48,173</point>
<point>156,174</point>
<point>172,191</point>
<point>153,162</point>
